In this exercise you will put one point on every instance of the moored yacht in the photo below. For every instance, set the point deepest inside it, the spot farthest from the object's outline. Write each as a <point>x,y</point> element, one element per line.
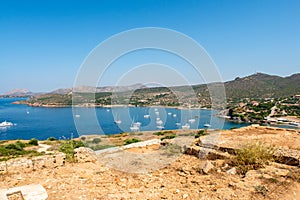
<point>6,124</point>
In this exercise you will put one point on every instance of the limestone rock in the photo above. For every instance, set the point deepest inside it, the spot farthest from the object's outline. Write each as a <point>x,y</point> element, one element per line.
<point>60,159</point>
<point>19,165</point>
<point>207,166</point>
<point>83,154</point>
<point>231,171</point>
<point>32,192</point>
<point>49,161</point>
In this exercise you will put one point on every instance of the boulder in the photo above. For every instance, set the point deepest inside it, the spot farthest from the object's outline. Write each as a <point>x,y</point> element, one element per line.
<point>207,166</point>
<point>83,154</point>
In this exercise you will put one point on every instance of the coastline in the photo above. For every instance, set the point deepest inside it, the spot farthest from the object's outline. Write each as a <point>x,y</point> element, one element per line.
<point>92,105</point>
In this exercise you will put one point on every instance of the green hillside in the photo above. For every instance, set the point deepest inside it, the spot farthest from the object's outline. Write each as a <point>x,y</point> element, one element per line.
<point>256,86</point>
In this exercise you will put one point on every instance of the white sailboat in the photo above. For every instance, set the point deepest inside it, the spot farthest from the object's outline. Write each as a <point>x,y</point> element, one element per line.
<point>146,116</point>
<point>192,120</point>
<point>207,125</point>
<point>118,120</point>
<point>186,126</point>
<point>159,122</point>
<point>135,126</point>
<point>160,127</point>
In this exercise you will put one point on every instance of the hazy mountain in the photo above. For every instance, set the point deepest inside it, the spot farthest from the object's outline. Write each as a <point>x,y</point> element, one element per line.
<point>89,89</point>
<point>258,85</point>
<point>17,93</point>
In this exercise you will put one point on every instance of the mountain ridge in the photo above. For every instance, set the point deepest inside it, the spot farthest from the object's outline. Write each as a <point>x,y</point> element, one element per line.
<point>258,85</point>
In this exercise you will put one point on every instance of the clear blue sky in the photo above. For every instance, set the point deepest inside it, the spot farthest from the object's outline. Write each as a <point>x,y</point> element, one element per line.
<point>43,43</point>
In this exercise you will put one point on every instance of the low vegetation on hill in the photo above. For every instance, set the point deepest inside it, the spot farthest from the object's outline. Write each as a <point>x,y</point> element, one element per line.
<point>257,86</point>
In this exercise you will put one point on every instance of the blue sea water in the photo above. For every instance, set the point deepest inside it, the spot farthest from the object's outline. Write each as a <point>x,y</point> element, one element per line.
<point>42,123</point>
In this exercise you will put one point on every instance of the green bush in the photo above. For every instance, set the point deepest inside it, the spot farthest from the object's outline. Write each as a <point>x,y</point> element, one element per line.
<point>51,139</point>
<point>201,133</point>
<point>68,148</point>
<point>96,140</point>
<point>168,137</point>
<point>253,156</point>
<point>14,150</point>
<point>33,142</point>
<point>132,140</point>
<point>159,133</point>
<point>14,147</point>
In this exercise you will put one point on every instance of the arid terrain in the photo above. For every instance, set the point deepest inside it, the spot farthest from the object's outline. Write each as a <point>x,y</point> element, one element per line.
<point>185,177</point>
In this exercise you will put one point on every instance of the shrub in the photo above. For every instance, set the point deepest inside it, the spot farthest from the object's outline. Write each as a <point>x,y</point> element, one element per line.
<point>51,139</point>
<point>68,148</point>
<point>20,144</point>
<point>83,138</point>
<point>168,137</point>
<point>253,156</point>
<point>201,133</point>
<point>34,142</point>
<point>158,133</point>
<point>14,147</point>
<point>96,140</point>
<point>14,150</point>
<point>132,140</point>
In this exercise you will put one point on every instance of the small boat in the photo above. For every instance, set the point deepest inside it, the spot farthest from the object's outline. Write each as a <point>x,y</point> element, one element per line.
<point>138,124</point>
<point>159,122</point>
<point>192,120</point>
<point>160,127</point>
<point>156,112</point>
<point>118,121</point>
<point>6,124</point>
<point>146,116</point>
<point>186,126</point>
<point>207,125</point>
<point>174,115</point>
<point>134,128</point>
<point>77,116</point>
<point>27,112</point>
<point>155,109</point>
<point>178,124</point>
<point>107,110</point>
<point>169,113</point>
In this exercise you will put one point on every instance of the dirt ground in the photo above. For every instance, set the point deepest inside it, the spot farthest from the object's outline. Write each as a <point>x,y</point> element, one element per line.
<point>180,179</point>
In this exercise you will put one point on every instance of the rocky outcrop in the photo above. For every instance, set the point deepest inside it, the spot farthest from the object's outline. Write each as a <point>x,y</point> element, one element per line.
<point>83,154</point>
<point>26,165</point>
<point>287,156</point>
<point>224,145</point>
<point>206,153</point>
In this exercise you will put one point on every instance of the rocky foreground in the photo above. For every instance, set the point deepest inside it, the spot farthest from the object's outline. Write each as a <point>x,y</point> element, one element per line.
<point>171,169</point>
